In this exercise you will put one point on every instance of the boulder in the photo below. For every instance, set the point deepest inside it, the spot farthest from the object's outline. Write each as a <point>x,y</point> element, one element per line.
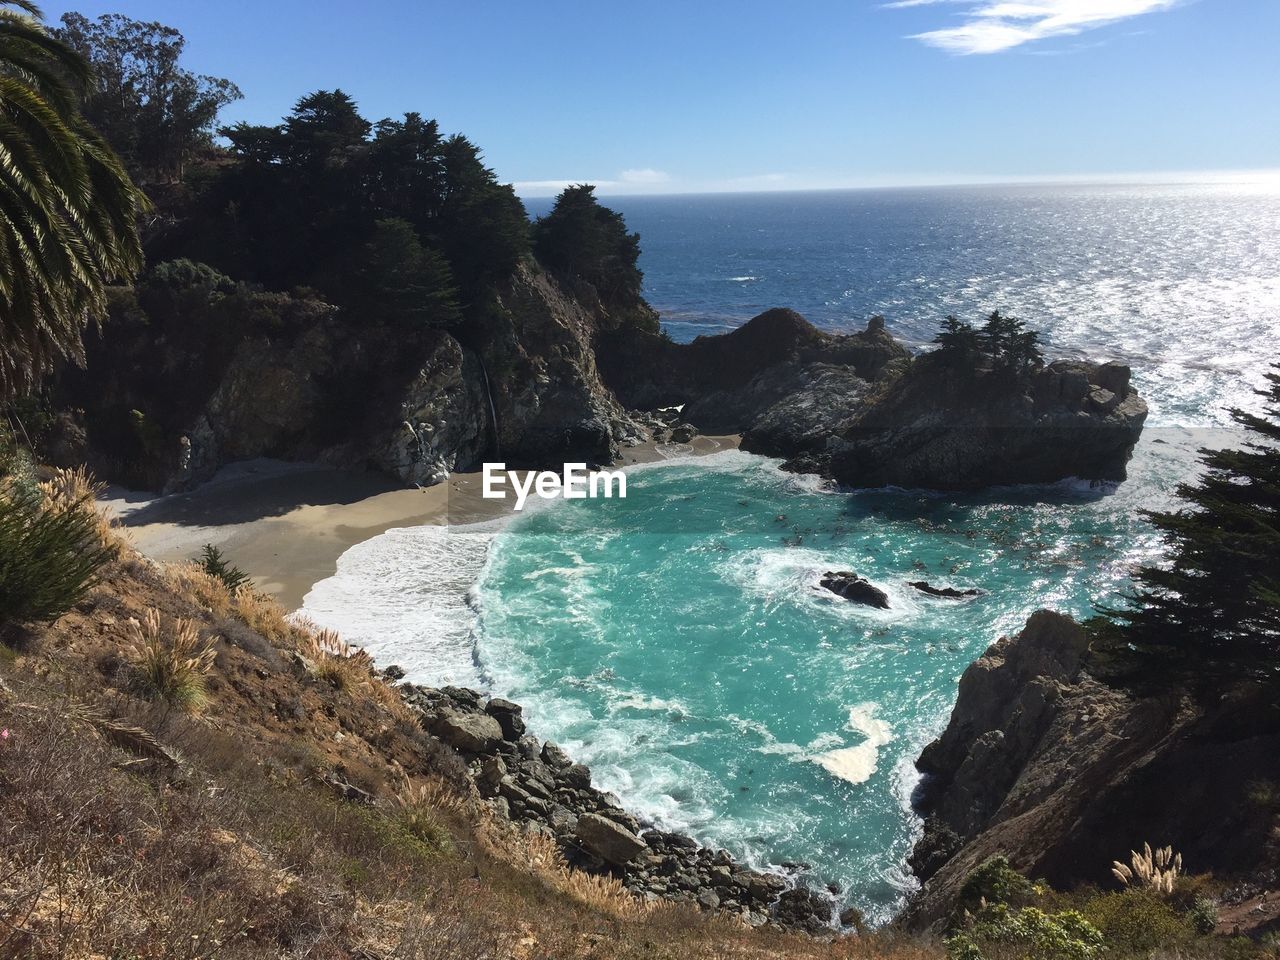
<point>554,757</point>
<point>855,589</point>
<point>608,840</point>
<point>509,717</point>
<point>468,732</point>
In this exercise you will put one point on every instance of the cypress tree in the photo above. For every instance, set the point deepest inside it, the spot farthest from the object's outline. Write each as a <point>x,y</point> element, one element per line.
<point>1212,612</point>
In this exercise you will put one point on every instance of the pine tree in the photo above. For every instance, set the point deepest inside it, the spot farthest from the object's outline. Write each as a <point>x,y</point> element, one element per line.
<point>1213,612</point>
<point>957,342</point>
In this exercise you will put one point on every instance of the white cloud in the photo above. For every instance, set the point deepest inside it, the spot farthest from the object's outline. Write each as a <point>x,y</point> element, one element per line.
<point>549,188</point>
<point>1004,24</point>
<point>639,180</point>
<point>647,175</point>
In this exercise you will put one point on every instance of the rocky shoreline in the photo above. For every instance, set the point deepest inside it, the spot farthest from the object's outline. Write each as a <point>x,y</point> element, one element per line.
<point>537,786</point>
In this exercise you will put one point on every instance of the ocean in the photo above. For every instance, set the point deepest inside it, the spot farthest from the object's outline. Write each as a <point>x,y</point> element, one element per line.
<point>676,641</point>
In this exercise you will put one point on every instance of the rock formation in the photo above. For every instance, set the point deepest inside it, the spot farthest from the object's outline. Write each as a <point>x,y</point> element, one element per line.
<point>1062,773</point>
<point>861,410</point>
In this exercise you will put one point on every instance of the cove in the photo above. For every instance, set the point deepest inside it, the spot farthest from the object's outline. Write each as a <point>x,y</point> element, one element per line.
<point>677,643</point>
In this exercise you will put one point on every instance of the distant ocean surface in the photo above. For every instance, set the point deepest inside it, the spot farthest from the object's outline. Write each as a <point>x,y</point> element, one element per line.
<point>676,641</point>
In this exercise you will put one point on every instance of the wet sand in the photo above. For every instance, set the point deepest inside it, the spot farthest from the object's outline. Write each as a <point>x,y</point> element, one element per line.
<point>287,524</point>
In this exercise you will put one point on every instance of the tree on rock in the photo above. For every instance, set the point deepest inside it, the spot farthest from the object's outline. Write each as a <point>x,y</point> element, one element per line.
<point>402,283</point>
<point>1002,344</point>
<point>582,241</point>
<point>1213,611</point>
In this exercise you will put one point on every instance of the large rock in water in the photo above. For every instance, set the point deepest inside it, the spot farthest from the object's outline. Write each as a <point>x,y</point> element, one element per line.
<point>855,589</point>
<point>963,430</point>
<point>609,840</point>
<point>1063,773</point>
<point>861,410</point>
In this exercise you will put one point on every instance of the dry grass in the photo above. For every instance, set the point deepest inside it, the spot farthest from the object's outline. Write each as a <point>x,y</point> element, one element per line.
<point>205,591</point>
<point>76,489</point>
<point>264,615</point>
<point>170,665</point>
<point>1156,870</point>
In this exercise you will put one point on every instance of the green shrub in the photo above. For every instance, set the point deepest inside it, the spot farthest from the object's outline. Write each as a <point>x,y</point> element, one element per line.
<point>49,557</point>
<point>1030,933</point>
<point>1137,921</point>
<point>994,882</point>
<point>215,565</point>
<point>1203,916</point>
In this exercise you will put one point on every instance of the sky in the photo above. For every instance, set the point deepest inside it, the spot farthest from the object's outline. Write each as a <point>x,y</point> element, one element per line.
<point>663,96</point>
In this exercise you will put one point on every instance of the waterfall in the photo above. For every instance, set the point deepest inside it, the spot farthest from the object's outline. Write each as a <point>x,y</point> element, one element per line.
<point>493,413</point>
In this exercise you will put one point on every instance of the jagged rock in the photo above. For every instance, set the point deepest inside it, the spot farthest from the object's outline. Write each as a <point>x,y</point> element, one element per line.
<point>577,776</point>
<point>765,887</point>
<point>492,772</point>
<point>801,907</point>
<point>947,593</point>
<point>509,717</point>
<point>1044,763</point>
<point>962,430</point>
<point>607,839</point>
<point>469,732</point>
<point>554,757</point>
<point>855,589</point>
<point>442,423</point>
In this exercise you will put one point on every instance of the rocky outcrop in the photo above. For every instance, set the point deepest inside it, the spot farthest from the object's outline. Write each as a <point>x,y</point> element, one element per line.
<point>538,786</point>
<point>962,430</point>
<point>444,418</point>
<point>861,410</point>
<point>517,381</point>
<point>730,382</point>
<point>536,343</point>
<point>1062,773</point>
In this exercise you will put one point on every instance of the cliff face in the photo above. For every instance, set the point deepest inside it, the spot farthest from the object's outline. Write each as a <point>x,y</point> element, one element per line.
<point>517,381</point>
<point>1047,765</point>
<point>550,406</point>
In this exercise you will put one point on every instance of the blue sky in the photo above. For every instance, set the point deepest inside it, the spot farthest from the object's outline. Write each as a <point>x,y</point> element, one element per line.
<point>700,95</point>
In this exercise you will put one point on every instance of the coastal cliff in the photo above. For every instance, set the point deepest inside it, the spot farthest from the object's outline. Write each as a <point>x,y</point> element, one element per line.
<point>1062,773</point>
<point>173,392</point>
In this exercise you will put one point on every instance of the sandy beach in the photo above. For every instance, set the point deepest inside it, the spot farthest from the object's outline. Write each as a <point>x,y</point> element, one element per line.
<point>287,524</point>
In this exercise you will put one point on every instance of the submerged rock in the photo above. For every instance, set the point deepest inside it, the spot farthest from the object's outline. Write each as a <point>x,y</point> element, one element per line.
<point>855,589</point>
<point>947,593</point>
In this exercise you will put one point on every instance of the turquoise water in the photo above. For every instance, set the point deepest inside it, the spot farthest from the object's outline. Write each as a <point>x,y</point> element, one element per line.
<point>676,641</point>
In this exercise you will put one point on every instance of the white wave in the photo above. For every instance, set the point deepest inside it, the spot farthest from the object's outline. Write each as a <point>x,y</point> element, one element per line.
<point>857,764</point>
<point>642,702</point>
<point>742,279</point>
<point>406,597</point>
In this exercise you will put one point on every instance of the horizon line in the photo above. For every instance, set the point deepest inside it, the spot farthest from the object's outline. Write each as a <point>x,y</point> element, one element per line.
<point>549,189</point>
